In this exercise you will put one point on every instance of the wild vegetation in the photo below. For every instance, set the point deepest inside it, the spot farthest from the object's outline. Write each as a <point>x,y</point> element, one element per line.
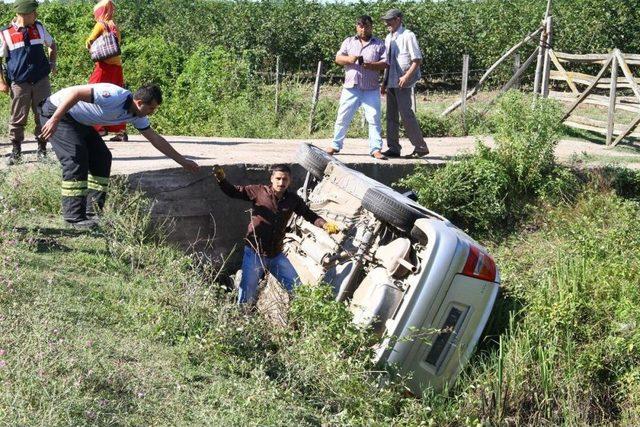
<point>118,327</point>
<point>210,56</point>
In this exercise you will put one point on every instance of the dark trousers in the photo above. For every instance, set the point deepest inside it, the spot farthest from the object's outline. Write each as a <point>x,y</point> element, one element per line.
<point>399,103</point>
<point>86,165</point>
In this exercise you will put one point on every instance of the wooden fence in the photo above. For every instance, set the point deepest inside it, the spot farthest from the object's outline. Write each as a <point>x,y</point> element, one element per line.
<point>619,89</point>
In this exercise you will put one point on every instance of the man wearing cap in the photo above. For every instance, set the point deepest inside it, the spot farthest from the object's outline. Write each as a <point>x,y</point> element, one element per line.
<point>25,76</point>
<point>404,57</point>
<point>363,57</point>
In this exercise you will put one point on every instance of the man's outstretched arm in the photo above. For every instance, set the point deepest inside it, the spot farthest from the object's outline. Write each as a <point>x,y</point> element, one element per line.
<point>304,211</point>
<point>163,146</point>
<point>234,191</point>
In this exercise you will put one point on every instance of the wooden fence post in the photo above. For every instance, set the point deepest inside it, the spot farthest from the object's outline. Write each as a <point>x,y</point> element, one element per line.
<point>540,63</point>
<point>491,69</point>
<point>463,95</point>
<point>316,96</point>
<point>547,58</point>
<point>516,67</point>
<point>277,86</point>
<point>612,98</point>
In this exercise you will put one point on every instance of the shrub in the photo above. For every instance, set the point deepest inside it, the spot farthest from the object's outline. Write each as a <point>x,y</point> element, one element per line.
<point>31,190</point>
<point>470,192</point>
<point>526,132</point>
<point>492,189</point>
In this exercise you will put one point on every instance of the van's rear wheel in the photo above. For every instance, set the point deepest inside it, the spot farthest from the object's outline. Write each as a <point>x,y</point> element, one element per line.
<point>390,210</point>
<point>313,159</point>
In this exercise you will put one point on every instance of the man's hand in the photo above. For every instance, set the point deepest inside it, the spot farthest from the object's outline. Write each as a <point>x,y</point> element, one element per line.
<point>190,165</point>
<point>331,227</point>
<point>218,172</point>
<point>353,59</point>
<point>49,128</point>
<point>403,81</point>
<point>4,87</point>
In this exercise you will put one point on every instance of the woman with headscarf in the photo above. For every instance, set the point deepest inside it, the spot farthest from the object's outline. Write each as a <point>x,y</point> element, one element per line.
<point>108,70</point>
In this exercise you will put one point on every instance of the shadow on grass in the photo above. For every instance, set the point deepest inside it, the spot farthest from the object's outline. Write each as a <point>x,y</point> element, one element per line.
<point>629,142</point>
<point>50,231</point>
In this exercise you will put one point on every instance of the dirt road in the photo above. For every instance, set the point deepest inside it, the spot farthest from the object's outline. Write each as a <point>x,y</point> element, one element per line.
<point>138,155</point>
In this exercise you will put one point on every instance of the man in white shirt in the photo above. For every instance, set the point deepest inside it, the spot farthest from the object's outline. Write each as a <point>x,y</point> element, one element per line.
<point>405,58</point>
<point>69,116</point>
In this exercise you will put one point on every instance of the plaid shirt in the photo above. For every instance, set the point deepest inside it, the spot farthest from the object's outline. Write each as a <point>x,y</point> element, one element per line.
<point>372,51</point>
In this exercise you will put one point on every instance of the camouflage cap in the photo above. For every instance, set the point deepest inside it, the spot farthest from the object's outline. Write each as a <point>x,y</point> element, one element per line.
<point>25,6</point>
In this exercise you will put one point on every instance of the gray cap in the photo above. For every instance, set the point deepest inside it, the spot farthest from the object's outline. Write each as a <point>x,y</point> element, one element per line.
<point>391,14</point>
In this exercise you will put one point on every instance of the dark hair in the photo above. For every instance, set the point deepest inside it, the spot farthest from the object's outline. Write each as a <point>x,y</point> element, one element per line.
<point>280,168</point>
<point>364,20</point>
<point>148,94</point>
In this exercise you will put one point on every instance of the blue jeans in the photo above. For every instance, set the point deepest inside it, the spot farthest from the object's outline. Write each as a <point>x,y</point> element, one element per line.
<point>350,100</point>
<point>253,270</point>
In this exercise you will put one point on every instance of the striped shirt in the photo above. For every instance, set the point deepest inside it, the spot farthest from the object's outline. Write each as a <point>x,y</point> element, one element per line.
<point>355,75</point>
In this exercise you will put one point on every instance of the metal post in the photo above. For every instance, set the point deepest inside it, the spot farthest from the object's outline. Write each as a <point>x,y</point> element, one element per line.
<point>463,95</point>
<point>316,95</point>
<point>277,86</point>
<point>516,67</point>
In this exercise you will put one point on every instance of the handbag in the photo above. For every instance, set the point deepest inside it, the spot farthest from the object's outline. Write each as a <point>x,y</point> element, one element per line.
<point>106,46</point>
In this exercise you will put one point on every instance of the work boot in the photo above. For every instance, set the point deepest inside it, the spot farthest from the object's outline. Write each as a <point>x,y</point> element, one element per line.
<point>42,150</point>
<point>84,224</point>
<point>15,156</point>
<point>42,154</point>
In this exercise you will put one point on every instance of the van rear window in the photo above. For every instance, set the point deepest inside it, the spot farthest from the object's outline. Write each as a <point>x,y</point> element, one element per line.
<point>440,346</point>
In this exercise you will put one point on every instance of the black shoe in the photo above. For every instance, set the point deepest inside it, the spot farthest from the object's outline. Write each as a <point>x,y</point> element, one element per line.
<point>391,153</point>
<point>14,158</point>
<point>418,154</point>
<point>122,136</point>
<point>83,224</point>
<point>41,154</point>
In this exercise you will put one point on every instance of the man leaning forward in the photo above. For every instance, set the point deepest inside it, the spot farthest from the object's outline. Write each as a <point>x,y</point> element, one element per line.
<point>69,116</point>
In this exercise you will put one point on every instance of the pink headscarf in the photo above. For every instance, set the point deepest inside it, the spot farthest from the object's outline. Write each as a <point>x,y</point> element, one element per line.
<point>104,10</point>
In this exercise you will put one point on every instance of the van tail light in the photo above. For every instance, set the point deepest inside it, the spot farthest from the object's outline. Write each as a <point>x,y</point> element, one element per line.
<point>479,265</point>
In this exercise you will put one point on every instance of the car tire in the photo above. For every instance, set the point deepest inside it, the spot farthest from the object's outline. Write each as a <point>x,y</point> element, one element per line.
<point>313,159</point>
<point>390,210</point>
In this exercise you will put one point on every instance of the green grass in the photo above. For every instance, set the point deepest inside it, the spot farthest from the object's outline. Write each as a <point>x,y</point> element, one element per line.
<point>117,327</point>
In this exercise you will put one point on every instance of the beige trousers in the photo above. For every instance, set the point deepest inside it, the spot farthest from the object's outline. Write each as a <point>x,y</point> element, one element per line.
<point>25,97</point>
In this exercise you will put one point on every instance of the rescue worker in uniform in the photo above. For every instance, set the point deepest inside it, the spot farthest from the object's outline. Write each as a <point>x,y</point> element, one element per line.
<point>273,205</point>
<point>69,116</point>
<point>26,76</point>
